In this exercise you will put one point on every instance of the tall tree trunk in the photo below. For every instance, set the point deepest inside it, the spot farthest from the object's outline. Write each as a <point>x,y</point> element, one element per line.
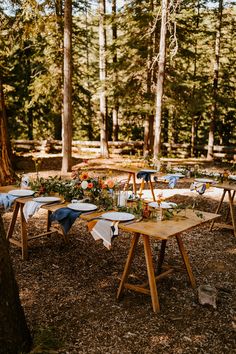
<point>57,104</point>
<point>14,333</point>
<point>193,125</point>
<point>214,113</point>
<point>115,109</point>
<point>146,136</point>
<point>102,74</point>
<point>89,103</point>
<point>148,122</point>
<point>6,170</point>
<point>67,95</point>
<point>160,81</point>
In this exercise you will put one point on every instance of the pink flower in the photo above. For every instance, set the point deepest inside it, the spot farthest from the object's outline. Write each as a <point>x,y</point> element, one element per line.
<point>90,185</point>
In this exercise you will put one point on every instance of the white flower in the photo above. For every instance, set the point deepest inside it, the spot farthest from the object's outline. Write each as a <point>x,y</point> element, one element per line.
<point>84,184</point>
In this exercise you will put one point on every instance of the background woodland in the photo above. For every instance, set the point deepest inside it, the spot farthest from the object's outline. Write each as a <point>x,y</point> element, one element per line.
<point>200,66</point>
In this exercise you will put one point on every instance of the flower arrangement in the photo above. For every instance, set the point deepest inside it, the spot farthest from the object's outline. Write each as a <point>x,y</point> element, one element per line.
<point>99,190</point>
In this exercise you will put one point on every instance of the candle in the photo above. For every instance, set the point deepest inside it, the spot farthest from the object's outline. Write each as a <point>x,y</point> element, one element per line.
<point>122,198</point>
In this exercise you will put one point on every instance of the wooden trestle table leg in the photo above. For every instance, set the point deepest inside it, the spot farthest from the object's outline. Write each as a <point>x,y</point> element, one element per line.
<point>13,220</point>
<point>49,212</point>
<point>152,190</point>
<point>218,208</point>
<point>24,240</point>
<point>161,256</point>
<point>186,260</point>
<point>231,205</point>
<point>228,212</point>
<point>151,274</point>
<point>141,188</point>
<point>129,260</point>
<point>134,184</point>
<point>126,186</point>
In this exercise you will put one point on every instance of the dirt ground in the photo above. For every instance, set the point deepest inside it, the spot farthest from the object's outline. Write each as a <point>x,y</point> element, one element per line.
<point>68,291</point>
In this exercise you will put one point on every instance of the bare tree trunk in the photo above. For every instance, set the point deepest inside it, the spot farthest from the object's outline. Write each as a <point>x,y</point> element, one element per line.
<point>57,104</point>
<point>214,113</point>
<point>14,333</point>
<point>115,110</point>
<point>6,171</point>
<point>89,105</point>
<point>160,81</point>
<point>146,136</point>
<point>148,122</point>
<point>102,74</point>
<point>67,95</point>
<point>193,125</point>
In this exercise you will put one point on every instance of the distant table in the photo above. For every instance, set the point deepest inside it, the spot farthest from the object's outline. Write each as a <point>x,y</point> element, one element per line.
<point>131,171</point>
<point>160,230</point>
<point>228,189</point>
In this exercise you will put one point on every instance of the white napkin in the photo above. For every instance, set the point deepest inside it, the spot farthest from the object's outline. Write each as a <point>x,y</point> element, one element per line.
<point>105,230</point>
<point>30,208</point>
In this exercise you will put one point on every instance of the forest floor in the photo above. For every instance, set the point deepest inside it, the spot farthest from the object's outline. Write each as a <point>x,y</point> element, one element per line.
<point>68,291</point>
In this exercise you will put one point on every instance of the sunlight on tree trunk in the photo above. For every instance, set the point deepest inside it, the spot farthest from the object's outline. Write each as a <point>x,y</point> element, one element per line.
<point>6,171</point>
<point>115,121</point>
<point>67,94</point>
<point>102,73</point>
<point>214,111</point>
<point>160,81</point>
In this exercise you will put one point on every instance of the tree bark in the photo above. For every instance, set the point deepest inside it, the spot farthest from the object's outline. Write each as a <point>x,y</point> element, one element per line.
<point>148,121</point>
<point>193,123</point>
<point>160,81</point>
<point>214,113</point>
<point>14,333</point>
<point>102,74</point>
<point>115,110</point>
<point>6,171</point>
<point>67,94</point>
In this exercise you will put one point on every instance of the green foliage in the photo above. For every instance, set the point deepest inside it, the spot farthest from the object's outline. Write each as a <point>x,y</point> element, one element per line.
<point>31,61</point>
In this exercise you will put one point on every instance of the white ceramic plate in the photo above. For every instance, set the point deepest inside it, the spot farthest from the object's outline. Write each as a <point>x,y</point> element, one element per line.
<point>21,192</point>
<point>118,216</point>
<point>204,180</point>
<point>164,205</point>
<point>82,206</point>
<point>47,199</point>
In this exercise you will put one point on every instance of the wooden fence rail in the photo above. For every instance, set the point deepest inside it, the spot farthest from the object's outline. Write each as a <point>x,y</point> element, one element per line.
<point>120,147</point>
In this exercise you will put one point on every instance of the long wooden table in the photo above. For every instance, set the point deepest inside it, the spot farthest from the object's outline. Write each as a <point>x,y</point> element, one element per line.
<point>162,231</point>
<point>230,190</point>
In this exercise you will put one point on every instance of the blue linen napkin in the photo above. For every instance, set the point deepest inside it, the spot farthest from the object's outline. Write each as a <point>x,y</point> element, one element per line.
<point>199,187</point>
<point>172,180</point>
<point>7,200</point>
<point>66,217</point>
<point>144,175</point>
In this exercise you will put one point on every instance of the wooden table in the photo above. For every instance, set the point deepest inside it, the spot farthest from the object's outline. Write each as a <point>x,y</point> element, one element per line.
<point>162,231</point>
<point>228,189</point>
<point>131,171</point>
<point>18,210</point>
